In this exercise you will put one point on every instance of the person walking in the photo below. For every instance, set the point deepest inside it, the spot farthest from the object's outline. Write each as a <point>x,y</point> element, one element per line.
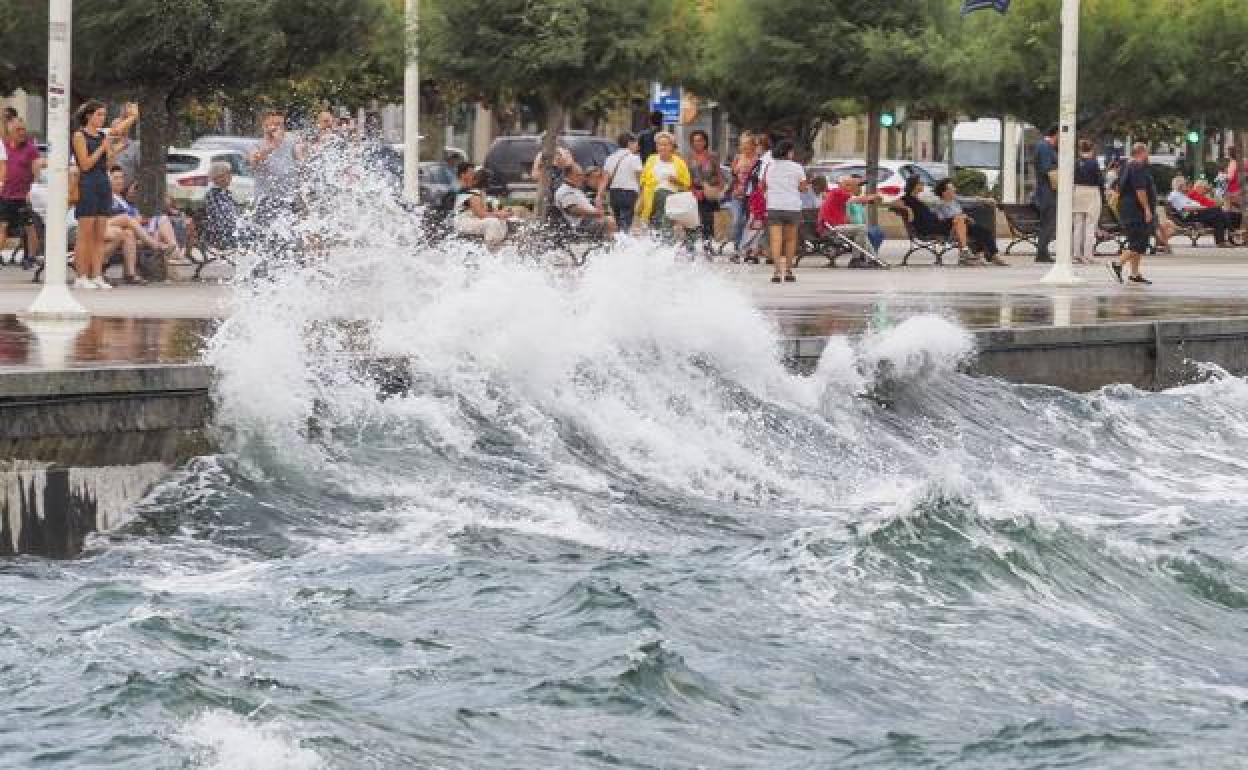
<point>1045,198</point>
<point>663,174</point>
<point>784,182</point>
<point>621,181</point>
<point>1137,202</point>
<point>708,185</point>
<point>1234,194</point>
<point>93,153</point>
<point>745,169</point>
<point>1089,189</point>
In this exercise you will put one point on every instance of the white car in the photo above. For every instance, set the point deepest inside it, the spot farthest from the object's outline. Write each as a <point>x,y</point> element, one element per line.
<point>892,178</point>
<point>188,174</point>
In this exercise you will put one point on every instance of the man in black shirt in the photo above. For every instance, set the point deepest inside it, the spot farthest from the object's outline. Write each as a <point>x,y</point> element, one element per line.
<point>1136,207</point>
<point>645,140</point>
<point>1046,193</point>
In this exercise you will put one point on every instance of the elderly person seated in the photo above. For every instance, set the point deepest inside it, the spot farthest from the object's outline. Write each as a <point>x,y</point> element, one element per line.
<point>224,226</point>
<point>973,238</point>
<point>472,211</point>
<point>577,209</point>
<point>1202,192</point>
<point>834,213</point>
<point>1190,211</point>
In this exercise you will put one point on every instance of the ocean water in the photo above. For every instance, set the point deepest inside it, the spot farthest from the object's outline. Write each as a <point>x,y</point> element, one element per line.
<point>608,528</point>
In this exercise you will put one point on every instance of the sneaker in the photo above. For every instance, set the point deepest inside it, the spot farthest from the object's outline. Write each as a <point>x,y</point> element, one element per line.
<point>100,283</point>
<point>790,278</point>
<point>84,283</point>
<point>1140,279</point>
<point>776,279</point>
<point>1116,269</point>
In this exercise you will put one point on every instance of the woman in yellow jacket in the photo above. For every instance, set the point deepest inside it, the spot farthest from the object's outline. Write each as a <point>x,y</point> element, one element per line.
<point>664,173</point>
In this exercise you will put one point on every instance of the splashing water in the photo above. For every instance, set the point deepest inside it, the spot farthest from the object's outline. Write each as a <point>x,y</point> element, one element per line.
<point>607,526</point>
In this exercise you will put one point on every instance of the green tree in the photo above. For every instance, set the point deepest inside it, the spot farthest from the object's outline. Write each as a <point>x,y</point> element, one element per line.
<point>164,55</point>
<point>562,52</point>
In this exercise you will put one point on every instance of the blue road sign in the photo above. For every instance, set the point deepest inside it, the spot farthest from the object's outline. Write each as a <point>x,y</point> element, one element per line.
<point>666,99</point>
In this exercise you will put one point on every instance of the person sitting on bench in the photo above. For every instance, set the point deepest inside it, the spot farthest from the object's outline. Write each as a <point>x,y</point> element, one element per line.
<point>584,217</point>
<point>834,212</point>
<point>1190,211</point>
<point>972,237</point>
<point>472,213</point>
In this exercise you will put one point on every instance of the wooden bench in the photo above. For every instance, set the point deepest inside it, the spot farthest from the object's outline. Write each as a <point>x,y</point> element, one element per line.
<point>1023,220</point>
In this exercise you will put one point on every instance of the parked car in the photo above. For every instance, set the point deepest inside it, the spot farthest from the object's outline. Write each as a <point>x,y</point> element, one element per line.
<point>510,160</point>
<point>245,145</point>
<point>891,179</point>
<point>188,174</point>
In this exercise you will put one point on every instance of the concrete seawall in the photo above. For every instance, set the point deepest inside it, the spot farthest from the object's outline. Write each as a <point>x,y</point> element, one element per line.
<point>1150,356</point>
<point>79,447</point>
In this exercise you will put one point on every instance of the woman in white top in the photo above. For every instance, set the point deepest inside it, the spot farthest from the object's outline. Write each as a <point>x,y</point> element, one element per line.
<point>784,182</point>
<point>621,181</point>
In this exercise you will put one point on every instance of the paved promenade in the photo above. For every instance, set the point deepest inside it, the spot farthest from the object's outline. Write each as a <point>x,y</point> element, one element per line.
<point>165,322</point>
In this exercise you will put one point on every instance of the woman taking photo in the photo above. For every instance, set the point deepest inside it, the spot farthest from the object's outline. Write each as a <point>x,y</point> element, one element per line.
<point>93,152</point>
<point>664,173</point>
<point>785,181</point>
<point>708,184</point>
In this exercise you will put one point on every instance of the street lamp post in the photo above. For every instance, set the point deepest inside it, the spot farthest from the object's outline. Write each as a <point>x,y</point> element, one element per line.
<point>411,105</point>
<point>54,300</point>
<point>1063,273</point>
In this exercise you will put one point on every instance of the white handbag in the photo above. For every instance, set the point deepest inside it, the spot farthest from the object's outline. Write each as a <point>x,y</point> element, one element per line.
<point>682,209</point>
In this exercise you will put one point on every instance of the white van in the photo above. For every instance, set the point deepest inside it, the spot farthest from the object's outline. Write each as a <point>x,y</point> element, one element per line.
<point>977,145</point>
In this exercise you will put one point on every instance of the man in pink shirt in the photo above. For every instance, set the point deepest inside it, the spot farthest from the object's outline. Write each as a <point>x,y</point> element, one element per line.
<point>23,166</point>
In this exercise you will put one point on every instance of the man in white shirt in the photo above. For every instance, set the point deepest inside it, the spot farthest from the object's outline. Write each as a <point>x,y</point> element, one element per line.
<point>576,208</point>
<point>1191,210</point>
<point>621,180</point>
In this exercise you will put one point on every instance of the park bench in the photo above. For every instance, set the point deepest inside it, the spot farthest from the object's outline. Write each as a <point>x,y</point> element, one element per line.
<point>936,245</point>
<point>1023,219</point>
<point>1192,230</point>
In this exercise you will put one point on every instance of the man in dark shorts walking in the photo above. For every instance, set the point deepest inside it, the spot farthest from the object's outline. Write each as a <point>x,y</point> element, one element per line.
<point>24,165</point>
<point>1137,207</point>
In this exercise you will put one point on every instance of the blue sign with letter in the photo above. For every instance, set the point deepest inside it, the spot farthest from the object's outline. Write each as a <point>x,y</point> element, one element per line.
<point>666,99</point>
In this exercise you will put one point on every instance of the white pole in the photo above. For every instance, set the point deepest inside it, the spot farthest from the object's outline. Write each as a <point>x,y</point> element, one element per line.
<point>54,300</point>
<point>411,106</point>
<point>1009,163</point>
<point>1063,273</point>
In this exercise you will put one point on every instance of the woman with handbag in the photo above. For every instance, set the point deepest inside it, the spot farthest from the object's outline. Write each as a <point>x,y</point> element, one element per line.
<point>664,174</point>
<point>708,184</point>
<point>783,184</point>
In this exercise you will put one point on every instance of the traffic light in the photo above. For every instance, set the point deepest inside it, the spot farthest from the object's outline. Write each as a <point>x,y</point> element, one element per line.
<point>1193,137</point>
<point>888,119</point>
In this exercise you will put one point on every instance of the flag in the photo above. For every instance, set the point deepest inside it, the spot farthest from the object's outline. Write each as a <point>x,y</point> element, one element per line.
<point>1000,6</point>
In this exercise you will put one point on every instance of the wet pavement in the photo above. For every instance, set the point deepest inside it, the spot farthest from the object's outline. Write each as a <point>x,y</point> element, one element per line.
<point>169,323</point>
<point>101,342</point>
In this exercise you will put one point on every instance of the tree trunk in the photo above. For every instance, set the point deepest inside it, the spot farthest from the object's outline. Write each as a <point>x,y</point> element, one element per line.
<point>155,131</point>
<point>873,158</point>
<point>550,141</point>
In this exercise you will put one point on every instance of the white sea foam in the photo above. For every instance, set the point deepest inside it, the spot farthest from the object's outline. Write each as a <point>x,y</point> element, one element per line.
<point>223,740</point>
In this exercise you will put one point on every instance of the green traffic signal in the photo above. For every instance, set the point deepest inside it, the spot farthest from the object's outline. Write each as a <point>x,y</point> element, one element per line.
<point>1193,137</point>
<point>888,119</point>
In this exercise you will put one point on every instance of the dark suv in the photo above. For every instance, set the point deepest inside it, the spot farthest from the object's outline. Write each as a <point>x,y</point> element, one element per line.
<point>510,160</point>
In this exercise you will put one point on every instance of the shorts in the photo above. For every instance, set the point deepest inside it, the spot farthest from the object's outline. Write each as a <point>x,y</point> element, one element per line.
<point>15,214</point>
<point>1138,236</point>
<point>777,217</point>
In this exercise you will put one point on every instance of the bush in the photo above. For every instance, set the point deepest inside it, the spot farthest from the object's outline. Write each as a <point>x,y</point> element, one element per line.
<point>970,182</point>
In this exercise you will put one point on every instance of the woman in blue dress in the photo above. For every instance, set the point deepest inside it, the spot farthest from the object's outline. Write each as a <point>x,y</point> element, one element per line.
<point>93,152</point>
